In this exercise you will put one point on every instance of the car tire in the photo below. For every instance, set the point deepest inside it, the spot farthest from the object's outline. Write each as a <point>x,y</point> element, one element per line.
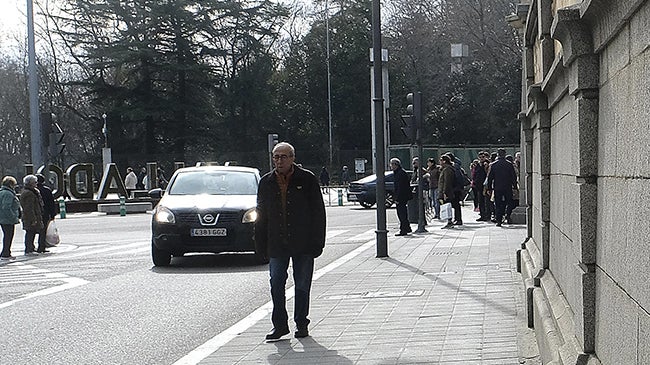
<point>160,257</point>
<point>390,200</point>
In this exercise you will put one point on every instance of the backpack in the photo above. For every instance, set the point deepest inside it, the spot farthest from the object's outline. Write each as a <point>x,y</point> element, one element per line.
<point>460,179</point>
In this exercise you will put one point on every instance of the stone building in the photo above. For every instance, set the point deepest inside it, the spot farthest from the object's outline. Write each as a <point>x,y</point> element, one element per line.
<point>586,139</point>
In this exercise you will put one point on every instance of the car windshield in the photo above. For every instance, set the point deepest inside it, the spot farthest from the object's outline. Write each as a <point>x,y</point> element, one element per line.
<point>214,183</point>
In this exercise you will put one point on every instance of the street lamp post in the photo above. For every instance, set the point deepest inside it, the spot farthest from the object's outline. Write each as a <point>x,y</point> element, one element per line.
<point>378,101</point>
<point>105,131</point>
<point>106,151</point>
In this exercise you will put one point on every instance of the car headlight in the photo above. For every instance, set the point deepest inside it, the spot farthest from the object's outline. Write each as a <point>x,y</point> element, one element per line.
<point>164,215</point>
<point>250,216</point>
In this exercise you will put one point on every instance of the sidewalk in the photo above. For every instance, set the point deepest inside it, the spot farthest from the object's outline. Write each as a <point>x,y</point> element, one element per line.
<point>442,297</point>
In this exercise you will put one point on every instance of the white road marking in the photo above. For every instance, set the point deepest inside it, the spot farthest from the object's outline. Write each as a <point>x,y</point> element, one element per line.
<point>367,235</point>
<point>31,274</point>
<point>213,344</point>
<point>334,233</point>
<point>95,251</point>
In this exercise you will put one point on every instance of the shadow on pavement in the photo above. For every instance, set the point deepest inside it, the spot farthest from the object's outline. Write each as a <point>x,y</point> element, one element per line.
<point>211,263</point>
<point>433,277</point>
<point>313,352</point>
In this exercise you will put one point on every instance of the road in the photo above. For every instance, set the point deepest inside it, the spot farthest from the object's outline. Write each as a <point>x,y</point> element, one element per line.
<point>97,298</point>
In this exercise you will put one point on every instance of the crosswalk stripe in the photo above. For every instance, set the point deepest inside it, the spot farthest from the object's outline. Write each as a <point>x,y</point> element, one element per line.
<point>31,274</point>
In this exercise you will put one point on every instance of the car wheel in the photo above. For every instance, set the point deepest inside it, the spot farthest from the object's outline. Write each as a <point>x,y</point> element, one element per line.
<point>366,204</point>
<point>160,257</point>
<point>390,200</point>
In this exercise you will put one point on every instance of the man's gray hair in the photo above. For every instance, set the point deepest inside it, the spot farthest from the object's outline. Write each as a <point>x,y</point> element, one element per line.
<point>395,161</point>
<point>30,180</point>
<point>286,144</point>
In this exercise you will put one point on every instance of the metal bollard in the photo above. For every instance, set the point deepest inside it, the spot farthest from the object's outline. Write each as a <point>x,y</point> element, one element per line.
<point>122,206</point>
<point>340,197</point>
<point>62,208</point>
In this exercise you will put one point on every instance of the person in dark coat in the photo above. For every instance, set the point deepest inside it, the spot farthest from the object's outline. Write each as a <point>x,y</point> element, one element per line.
<point>290,225</point>
<point>49,211</point>
<point>402,195</point>
<point>324,179</point>
<point>501,179</point>
<point>446,185</point>
<point>32,216</point>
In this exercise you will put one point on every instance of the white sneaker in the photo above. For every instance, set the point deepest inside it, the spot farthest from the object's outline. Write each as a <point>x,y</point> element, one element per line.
<point>32,253</point>
<point>7,258</point>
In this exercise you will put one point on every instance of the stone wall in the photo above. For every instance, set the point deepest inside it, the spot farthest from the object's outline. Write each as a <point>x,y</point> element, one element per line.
<point>585,127</point>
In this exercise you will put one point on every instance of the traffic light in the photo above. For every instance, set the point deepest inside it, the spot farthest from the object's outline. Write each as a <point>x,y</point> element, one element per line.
<point>56,144</point>
<point>408,127</point>
<point>412,121</point>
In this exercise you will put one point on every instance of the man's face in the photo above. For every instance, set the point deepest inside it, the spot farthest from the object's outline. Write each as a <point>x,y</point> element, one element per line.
<point>283,159</point>
<point>416,163</point>
<point>393,166</point>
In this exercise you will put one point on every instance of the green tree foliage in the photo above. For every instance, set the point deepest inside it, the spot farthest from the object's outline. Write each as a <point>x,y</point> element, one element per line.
<point>175,76</point>
<point>478,105</point>
<point>302,83</point>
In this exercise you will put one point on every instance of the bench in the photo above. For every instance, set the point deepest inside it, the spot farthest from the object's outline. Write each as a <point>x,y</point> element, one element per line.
<point>114,208</point>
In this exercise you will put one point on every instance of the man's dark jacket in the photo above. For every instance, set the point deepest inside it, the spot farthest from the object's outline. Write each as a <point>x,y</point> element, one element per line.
<point>502,175</point>
<point>402,185</point>
<point>304,232</point>
<point>49,207</point>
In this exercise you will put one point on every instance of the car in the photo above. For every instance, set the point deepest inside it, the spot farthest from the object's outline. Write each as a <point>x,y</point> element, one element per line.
<point>364,191</point>
<point>205,209</point>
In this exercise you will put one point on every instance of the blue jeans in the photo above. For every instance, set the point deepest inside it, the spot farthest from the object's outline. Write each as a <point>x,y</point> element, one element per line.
<point>303,270</point>
<point>434,199</point>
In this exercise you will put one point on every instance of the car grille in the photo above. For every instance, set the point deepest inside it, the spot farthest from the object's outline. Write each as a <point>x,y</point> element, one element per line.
<point>193,218</point>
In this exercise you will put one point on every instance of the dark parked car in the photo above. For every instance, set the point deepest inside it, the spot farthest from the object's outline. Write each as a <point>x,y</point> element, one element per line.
<point>205,209</point>
<point>364,191</point>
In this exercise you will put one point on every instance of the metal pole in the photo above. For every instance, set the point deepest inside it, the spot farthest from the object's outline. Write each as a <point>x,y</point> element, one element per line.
<point>34,117</point>
<point>329,83</point>
<point>382,240</point>
<point>105,131</point>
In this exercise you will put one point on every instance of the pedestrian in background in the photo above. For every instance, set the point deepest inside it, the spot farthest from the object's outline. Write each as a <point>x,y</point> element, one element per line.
<point>502,179</point>
<point>446,185</point>
<point>324,178</point>
<point>433,169</point>
<point>9,215</point>
<point>402,195</point>
<point>345,176</point>
<point>130,181</point>
<point>142,176</point>
<point>290,225</point>
<point>49,211</point>
<point>162,181</point>
<point>458,187</point>
<point>32,212</point>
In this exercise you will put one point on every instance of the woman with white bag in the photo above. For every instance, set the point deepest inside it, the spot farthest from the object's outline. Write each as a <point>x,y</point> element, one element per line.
<point>446,189</point>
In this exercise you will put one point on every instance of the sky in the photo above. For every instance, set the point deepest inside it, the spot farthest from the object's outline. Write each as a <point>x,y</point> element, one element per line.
<point>12,21</point>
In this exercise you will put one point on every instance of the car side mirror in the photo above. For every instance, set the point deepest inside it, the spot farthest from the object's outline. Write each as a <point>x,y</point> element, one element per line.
<point>156,193</point>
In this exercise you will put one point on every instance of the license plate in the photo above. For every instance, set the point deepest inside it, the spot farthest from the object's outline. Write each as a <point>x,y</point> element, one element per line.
<point>208,232</point>
<point>352,198</point>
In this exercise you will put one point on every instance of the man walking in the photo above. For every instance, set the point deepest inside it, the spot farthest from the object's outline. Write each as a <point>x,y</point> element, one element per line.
<point>290,225</point>
<point>502,178</point>
<point>402,195</point>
